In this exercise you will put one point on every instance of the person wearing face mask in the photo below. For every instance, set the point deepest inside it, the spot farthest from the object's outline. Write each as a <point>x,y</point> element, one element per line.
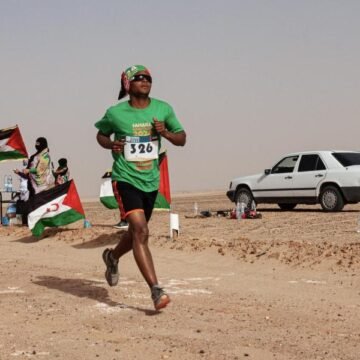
<point>38,169</point>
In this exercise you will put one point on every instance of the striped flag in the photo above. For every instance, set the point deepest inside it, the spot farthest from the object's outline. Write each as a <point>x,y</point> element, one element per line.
<point>107,197</point>
<point>163,199</point>
<point>12,146</point>
<point>57,206</point>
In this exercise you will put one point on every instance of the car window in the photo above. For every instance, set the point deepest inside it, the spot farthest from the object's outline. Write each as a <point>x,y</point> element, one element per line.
<point>285,165</point>
<point>347,158</point>
<point>311,162</point>
<point>320,165</point>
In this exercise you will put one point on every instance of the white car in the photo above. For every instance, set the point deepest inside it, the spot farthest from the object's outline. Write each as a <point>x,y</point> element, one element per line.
<point>331,178</point>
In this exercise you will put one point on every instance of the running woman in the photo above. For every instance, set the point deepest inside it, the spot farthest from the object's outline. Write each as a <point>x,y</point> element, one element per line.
<point>138,127</point>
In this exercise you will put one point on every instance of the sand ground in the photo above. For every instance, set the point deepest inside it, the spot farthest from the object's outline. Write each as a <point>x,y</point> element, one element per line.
<point>285,286</point>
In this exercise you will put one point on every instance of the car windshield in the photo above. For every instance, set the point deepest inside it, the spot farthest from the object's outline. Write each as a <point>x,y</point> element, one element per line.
<point>347,158</point>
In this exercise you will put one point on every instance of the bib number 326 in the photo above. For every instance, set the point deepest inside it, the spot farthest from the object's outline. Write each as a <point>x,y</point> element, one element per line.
<point>140,148</point>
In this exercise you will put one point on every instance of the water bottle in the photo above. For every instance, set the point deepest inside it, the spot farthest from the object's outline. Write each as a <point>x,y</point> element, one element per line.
<point>238,210</point>
<point>5,221</point>
<point>5,183</point>
<point>87,224</point>
<point>196,209</point>
<point>253,206</point>
<point>8,187</point>
<point>10,184</point>
<point>19,219</point>
<point>242,209</point>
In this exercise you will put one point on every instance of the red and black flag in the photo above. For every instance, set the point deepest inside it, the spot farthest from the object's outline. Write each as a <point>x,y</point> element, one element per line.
<point>57,206</point>
<point>12,146</point>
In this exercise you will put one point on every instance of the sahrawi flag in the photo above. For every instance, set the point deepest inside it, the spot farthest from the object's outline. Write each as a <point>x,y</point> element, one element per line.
<point>57,206</point>
<point>12,146</point>
<point>107,197</point>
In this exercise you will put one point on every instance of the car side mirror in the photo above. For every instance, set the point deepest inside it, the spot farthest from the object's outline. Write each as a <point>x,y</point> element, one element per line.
<point>267,171</point>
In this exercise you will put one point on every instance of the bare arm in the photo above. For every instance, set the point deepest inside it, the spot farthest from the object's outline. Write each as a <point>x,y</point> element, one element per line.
<point>60,171</point>
<point>178,139</point>
<point>105,141</point>
<point>21,173</point>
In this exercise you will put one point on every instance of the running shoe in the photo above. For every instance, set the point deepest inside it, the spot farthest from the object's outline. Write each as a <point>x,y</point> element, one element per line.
<point>112,271</point>
<point>159,297</point>
<point>123,224</point>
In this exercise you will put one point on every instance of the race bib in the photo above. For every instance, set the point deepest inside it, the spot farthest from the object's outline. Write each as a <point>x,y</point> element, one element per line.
<point>140,148</point>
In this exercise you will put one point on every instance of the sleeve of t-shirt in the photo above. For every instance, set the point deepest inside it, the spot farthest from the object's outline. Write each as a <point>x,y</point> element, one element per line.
<point>172,123</point>
<point>105,124</point>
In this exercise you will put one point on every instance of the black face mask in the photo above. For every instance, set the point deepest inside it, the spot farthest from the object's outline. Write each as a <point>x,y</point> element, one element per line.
<point>41,144</point>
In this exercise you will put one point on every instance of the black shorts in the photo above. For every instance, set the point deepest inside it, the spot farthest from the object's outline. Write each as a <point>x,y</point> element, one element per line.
<point>133,199</point>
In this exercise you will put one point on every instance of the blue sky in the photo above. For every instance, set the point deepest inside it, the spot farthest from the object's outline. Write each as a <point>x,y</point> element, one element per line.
<point>249,80</point>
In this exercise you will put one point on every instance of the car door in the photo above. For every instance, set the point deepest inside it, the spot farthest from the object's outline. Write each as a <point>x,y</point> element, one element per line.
<point>278,184</point>
<point>309,173</point>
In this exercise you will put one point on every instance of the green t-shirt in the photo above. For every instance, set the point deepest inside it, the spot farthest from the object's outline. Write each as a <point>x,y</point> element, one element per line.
<point>123,121</point>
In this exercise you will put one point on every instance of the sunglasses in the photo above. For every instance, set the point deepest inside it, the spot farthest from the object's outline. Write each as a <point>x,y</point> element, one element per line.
<point>142,77</point>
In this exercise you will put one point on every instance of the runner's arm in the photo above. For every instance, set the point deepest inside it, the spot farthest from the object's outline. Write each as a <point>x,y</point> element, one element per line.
<point>178,139</point>
<point>106,142</point>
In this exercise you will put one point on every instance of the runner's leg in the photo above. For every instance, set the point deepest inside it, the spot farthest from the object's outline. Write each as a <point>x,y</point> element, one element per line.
<point>138,208</point>
<point>124,245</point>
<point>140,235</point>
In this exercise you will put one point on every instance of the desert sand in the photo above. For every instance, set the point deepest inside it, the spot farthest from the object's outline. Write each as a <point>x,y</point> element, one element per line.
<point>285,286</point>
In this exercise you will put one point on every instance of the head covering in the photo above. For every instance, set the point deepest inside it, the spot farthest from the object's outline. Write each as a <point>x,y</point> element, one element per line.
<point>62,162</point>
<point>41,144</point>
<point>127,76</point>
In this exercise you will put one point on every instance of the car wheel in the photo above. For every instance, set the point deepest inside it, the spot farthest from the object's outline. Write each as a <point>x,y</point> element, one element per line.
<point>244,195</point>
<point>287,206</point>
<point>331,199</point>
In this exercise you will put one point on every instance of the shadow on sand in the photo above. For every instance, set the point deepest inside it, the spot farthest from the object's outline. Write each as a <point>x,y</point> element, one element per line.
<point>48,233</point>
<point>101,240</point>
<point>86,289</point>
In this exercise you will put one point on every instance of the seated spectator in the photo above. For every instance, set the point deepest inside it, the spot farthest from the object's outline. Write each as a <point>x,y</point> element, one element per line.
<point>62,174</point>
<point>24,179</point>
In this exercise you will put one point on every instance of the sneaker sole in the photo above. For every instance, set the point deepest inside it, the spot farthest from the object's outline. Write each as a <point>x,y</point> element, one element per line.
<point>164,300</point>
<point>108,275</point>
<point>109,279</point>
